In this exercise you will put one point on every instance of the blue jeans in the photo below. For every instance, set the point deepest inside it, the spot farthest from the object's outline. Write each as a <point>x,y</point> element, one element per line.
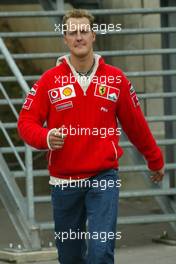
<point>91,202</point>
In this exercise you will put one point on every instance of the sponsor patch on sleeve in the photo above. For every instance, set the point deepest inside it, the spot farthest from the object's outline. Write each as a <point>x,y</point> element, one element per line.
<point>27,103</point>
<point>33,90</point>
<point>61,93</point>
<point>107,92</point>
<point>132,90</point>
<point>134,96</point>
<point>135,100</point>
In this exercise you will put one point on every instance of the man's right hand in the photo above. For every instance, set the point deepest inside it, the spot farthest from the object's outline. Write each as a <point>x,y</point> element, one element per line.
<point>56,139</point>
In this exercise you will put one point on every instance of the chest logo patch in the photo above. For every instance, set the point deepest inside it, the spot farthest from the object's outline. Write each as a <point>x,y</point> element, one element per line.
<point>107,92</point>
<point>64,106</point>
<point>67,91</point>
<point>102,89</point>
<point>61,93</point>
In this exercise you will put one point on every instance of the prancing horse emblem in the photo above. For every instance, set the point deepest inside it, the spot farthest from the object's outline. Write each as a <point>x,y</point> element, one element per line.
<point>102,89</point>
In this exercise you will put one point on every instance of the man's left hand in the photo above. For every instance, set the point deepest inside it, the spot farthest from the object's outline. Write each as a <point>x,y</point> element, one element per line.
<point>158,175</point>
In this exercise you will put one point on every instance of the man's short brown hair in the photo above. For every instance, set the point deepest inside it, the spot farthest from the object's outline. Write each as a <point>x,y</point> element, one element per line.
<point>78,13</point>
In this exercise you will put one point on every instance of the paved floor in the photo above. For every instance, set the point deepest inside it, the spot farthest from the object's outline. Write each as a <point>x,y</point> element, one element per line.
<point>154,254</point>
<point>135,247</point>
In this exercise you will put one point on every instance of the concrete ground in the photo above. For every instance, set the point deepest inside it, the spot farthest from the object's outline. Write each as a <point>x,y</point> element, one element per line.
<point>153,253</point>
<point>135,247</point>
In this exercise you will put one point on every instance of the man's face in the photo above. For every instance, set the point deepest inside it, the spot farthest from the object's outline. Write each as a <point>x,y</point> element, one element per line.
<point>79,38</point>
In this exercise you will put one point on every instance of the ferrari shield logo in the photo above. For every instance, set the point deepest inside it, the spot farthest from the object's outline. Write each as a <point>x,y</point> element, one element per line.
<point>107,92</point>
<point>102,90</point>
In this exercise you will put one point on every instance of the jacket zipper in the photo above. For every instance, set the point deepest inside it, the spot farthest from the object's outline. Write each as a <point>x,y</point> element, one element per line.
<point>115,150</point>
<point>49,160</point>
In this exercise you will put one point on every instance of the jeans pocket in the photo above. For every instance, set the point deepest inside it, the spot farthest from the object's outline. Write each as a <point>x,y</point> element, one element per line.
<point>56,197</point>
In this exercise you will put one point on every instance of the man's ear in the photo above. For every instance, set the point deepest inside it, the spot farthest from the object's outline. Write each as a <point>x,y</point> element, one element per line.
<point>65,40</point>
<point>94,36</point>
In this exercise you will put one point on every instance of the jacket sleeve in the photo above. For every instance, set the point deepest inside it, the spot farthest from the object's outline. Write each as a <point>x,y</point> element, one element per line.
<point>135,126</point>
<point>33,116</point>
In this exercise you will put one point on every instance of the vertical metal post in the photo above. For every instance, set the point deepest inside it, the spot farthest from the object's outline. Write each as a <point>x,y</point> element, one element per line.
<point>60,5</point>
<point>29,182</point>
<point>30,198</point>
<point>33,229</point>
<point>169,62</point>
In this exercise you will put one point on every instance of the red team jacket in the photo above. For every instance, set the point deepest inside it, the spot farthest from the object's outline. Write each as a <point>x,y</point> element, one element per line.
<point>99,109</point>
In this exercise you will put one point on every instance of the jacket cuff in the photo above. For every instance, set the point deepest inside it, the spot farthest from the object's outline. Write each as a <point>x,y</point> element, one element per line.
<point>47,138</point>
<point>157,164</point>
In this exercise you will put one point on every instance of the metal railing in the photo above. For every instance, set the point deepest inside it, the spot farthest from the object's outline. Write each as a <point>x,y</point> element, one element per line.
<point>24,221</point>
<point>163,191</point>
<point>101,12</point>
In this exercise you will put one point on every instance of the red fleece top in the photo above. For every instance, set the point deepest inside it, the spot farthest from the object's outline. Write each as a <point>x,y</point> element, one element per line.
<point>102,106</point>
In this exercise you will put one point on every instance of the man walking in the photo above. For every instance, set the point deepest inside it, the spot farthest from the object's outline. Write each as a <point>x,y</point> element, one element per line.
<point>82,100</point>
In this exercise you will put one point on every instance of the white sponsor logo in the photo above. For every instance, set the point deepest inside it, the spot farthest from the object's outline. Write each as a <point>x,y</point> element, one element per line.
<point>61,93</point>
<point>54,94</point>
<point>104,109</point>
<point>113,97</point>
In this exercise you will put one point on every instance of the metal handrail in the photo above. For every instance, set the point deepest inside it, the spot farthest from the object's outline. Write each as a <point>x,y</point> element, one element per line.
<point>120,11</point>
<point>12,146</point>
<point>106,53</point>
<point>160,142</point>
<point>8,101</point>
<point>128,74</point>
<point>148,118</point>
<point>28,170</point>
<point>124,144</point>
<point>142,219</point>
<point>137,168</point>
<point>150,73</point>
<point>129,31</point>
<point>156,95</point>
<point>14,101</point>
<point>13,66</point>
<point>123,194</point>
<point>142,96</point>
<point>127,169</point>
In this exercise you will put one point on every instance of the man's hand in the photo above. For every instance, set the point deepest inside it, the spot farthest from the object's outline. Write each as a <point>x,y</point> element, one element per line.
<point>157,176</point>
<point>56,138</point>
